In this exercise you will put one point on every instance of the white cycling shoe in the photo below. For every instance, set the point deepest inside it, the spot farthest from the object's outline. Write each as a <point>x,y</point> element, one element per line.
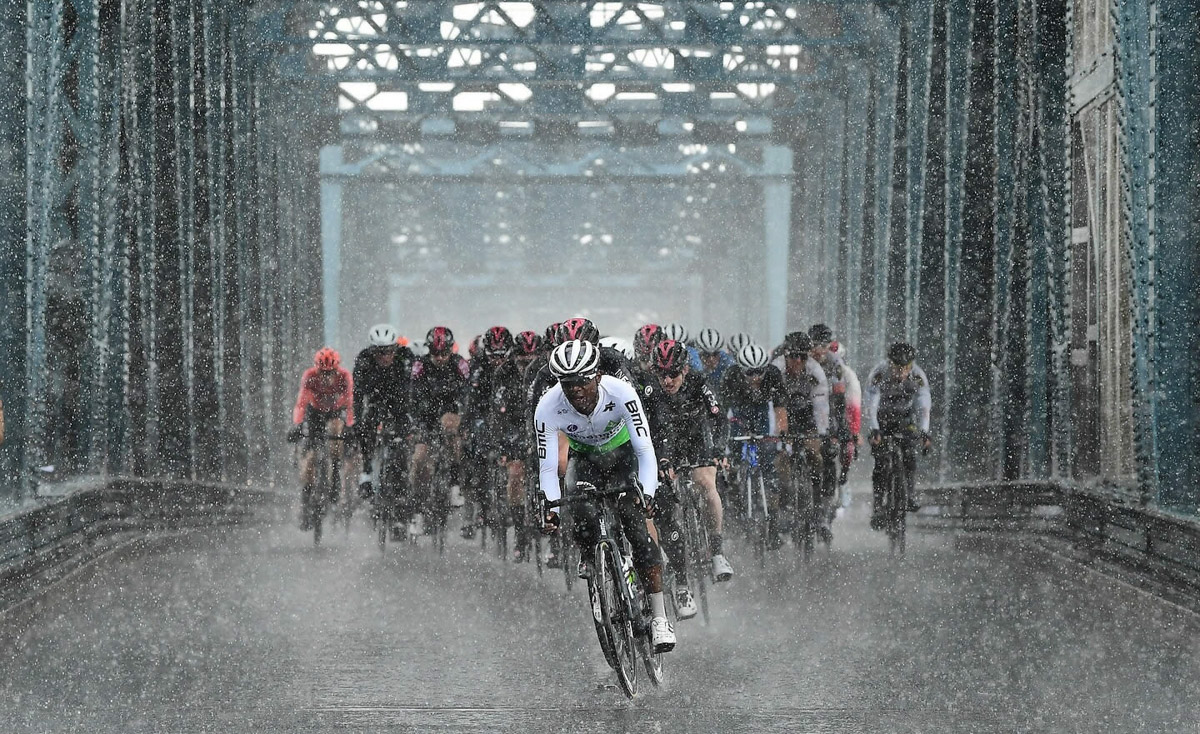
<point>722,571</point>
<point>685,605</point>
<point>662,635</point>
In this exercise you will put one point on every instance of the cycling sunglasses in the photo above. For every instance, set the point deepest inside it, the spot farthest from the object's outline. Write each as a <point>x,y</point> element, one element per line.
<point>576,380</point>
<point>671,374</point>
<point>755,373</point>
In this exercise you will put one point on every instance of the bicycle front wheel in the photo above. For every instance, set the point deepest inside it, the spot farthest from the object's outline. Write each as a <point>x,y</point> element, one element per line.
<point>614,611</point>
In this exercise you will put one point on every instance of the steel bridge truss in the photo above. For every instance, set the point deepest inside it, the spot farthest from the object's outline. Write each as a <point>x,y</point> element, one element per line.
<point>552,63</point>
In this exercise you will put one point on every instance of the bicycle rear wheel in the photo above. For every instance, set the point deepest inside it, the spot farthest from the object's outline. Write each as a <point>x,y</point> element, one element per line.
<point>698,548</point>
<point>615,614</point>
<point>898,510</point>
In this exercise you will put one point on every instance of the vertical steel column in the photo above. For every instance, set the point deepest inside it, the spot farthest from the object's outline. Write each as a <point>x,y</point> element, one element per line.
<point>922,24</point>
<point>1176,97</point>
<point>13,332</point>
<point>890,77</point>
<point>957,94</point>
<point>777,195</point>
<point>857,327</point>
<point>896,254</point>
<point>833,156</point>
<point>331,241</point>
<point>858,135</point>
<point>973,344</point>
<point>1004,144</point>
<point>1137,204</point>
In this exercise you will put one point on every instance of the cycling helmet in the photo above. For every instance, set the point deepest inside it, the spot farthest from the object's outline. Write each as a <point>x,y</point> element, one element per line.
<point>797,341</point>
<point>820,333</point>
<point>675,332</point>
<point>476,343</point>
<point>528,343</point>
<point>645,339</point>
<point>619,344</point>
<point>738,342</point>
<point>575,359</point>
<point>327,359</point>
<point>402,341</point>
<point>578,329</point>
<point>550,338</point>
<point>901,353</point>
<point>439,340</point>
<point>709,340</point>
<point>752,357</point>
<point>497,341</point>
<point>382,335</point>
<point>669,356</point>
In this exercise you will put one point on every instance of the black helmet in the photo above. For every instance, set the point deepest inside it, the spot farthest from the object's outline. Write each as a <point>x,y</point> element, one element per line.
<point>797,341</point>
<point>820,333</point>
<point>901,353</point>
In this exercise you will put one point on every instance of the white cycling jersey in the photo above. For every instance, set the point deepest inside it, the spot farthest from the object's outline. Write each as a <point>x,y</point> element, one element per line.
<point>618,419</point>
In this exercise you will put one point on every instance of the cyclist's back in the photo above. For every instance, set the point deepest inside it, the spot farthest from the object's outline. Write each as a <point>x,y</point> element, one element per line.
<point>752,398</point>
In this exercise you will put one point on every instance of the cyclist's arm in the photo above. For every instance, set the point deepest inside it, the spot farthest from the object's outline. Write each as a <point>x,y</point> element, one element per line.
<point>303,400</point>
<point>546,437</point>
<point>346,399</point>
<point>820,396</point>
<point>853,400</point>
<point>360,366</point>
<point>871,399</point>
<point>639,436</point>
<point>924,401</point>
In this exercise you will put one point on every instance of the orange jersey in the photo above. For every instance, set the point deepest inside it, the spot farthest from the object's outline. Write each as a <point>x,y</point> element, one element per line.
<point>325,392</point>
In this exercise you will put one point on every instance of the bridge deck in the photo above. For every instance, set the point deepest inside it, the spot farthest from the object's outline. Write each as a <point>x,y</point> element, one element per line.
<point>251,629</point>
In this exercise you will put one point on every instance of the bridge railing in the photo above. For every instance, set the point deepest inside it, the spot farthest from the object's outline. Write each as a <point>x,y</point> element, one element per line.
<point>59,534</point>
<point>1091,523</point>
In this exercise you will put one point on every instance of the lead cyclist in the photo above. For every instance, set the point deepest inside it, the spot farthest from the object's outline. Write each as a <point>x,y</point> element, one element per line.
<point>610,445</point>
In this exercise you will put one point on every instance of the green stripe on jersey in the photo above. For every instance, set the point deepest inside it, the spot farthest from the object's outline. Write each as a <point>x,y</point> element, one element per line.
<point>611,444</point>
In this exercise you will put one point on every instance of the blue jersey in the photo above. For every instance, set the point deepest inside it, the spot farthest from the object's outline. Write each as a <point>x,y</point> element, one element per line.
<point>714,378</point>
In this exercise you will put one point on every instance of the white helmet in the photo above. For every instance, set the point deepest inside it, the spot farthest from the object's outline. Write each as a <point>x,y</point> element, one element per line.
<point>752,357</point>
<point>676,332</point>
<point>621,345</point>
<point>709,340</point>
<point>575,359</point>
<point>382,335</point>
<point>737,342</point>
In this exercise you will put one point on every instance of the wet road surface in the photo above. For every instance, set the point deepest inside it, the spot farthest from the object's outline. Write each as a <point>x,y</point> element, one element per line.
<point>253,630</point>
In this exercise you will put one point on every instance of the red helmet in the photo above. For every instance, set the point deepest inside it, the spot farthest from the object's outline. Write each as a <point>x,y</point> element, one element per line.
<point>327,359</point>
<point>477,342</point>
<point>529,343</point>
<point>497,341</point>
<point>550,340</point>
<point>669,356</point>
<point>578,330</point>
<point>645,339</point>
<point>439,340</point>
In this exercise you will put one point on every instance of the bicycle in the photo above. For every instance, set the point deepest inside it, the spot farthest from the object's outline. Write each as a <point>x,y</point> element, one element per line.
<point>895,497</point>
<point>752,488</point>
<point>804,509</point>
<point>436,501</point>
<point>387,512</point>
<point>316,497</point>
<point>620,610</point>
<point>493,501</point>
<point>698,558</point>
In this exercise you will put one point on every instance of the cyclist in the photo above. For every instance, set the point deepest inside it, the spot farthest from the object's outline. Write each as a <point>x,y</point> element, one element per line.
<point>643,345</point>
<point>898,402</point>
<point>612,362</point>
<point>609,439</point>
<point>736,343</point>
<point>754,397</point>
<point>326,397</point>
<point>381,380</point>
<point>807,398</point>
<point>489,351</point>
<point>527,346</point>
<point>439,382</point>
<point>845,399</point>
<point>710,359</point>
<point>686,420</point>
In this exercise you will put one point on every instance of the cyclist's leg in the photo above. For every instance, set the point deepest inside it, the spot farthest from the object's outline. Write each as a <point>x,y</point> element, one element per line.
<point>909,452</point>
<point>879,480</point>
<point>705,479</point>
<point>670,535</point>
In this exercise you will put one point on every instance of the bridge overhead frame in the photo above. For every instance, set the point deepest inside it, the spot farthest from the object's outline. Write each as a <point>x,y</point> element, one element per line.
<point>1014,192</point>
